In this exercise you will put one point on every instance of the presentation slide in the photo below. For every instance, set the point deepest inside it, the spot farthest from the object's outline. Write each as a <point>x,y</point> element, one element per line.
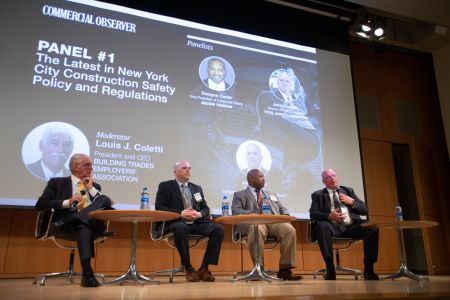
<point>139,91</point>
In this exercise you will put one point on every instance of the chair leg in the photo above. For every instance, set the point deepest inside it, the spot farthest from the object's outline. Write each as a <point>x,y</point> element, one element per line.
<point>338,267</point>
<point>170,271</point>
<point>319,271</point>
<point>69,273</point>
<point>344,269</point>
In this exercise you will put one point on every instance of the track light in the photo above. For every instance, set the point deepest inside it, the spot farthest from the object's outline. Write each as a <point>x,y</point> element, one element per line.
<point>371,28</point>
<point>366,26</point>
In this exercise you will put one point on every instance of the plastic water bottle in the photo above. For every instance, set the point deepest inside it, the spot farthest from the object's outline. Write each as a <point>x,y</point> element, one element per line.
<point>398,212</point>
<point>265,206</point>
<point>225,206</point>
<point>145,198</point>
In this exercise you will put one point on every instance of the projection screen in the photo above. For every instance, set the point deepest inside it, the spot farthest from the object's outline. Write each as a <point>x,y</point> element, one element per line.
<point>131,89</point>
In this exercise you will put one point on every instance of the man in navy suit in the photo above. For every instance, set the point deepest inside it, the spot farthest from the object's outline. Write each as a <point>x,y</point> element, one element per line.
<point>337,210</point>
<point>183,197</point>
<point>61,194</point>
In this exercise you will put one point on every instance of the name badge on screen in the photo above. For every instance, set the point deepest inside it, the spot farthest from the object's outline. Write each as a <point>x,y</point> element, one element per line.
<point>198,197</point>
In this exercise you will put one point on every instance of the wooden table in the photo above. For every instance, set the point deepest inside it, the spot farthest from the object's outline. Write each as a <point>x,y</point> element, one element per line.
<point>258,271</point>
<point>399,226</point>
<point>134,217</point>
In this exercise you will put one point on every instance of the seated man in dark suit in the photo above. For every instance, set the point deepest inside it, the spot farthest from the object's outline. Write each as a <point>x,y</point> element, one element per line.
<point>183,197</point>
<point>249,201</point>
<point>337,210</point>
<point>72,198</point>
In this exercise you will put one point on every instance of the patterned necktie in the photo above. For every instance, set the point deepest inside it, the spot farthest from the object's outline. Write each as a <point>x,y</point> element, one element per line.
<point>337,204</point>
<point>259,198</point>
<point>186,196</point>
<point>81,189</point>
<point>337,207</point>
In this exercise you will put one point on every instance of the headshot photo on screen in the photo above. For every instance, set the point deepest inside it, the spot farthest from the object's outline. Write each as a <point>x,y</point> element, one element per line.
<point>47,148</point>
<point>253,155</point>
<point>216,73</point>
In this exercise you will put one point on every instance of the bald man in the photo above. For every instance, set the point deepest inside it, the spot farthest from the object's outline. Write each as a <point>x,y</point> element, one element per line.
<point>337,210</point>
<point>181,196</point>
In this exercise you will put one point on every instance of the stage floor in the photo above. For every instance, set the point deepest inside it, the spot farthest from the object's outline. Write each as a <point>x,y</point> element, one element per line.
<point>438,287</point>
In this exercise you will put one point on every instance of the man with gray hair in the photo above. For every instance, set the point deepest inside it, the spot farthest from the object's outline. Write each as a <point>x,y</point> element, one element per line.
<point>181,196</point>
<point>72,198</point>
<point>56,145</point>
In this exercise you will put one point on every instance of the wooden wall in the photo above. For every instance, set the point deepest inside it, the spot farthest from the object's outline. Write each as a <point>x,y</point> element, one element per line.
<point>395,80</point>
<point>389,77</point>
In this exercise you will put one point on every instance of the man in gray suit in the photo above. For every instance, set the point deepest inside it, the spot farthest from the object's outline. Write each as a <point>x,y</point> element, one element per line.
<point>249,201</point>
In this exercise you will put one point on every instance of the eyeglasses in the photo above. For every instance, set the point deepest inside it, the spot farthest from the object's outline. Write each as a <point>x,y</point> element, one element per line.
<point>330,177</point>
<point>85,165</point>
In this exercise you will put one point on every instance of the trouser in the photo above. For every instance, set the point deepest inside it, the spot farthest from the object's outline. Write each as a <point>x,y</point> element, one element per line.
<point>213,231</point>
<point>326,230</point>
<point>287,236</point>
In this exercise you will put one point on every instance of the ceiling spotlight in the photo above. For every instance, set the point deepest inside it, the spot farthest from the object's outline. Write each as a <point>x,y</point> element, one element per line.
<point>378,32</point>
<point>371,28</point>
<point>362,34</point>
<point>366,26</point>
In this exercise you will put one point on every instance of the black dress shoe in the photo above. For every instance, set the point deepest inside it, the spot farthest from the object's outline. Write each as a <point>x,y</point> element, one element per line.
<point>330,275</point>
<point>286,274</point>
<point>89,281</point>
<point>371,276</point>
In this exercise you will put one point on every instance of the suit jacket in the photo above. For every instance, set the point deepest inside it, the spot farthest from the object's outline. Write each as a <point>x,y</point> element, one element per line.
<point>278,94</point>
<point>169,198</point>
<point>57,190</point>
<point>36,169</point>
<point>244,203</point>
<point>321,205</point>
<point>227,85</point>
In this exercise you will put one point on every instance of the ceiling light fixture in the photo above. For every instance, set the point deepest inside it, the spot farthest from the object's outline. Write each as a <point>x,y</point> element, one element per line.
<point>371,28</point>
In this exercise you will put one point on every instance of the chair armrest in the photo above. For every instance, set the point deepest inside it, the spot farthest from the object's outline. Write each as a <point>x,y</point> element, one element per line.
<point>43,222</point>
<point>311,231</point>
<point>237,238</point>
<point>155,234</point>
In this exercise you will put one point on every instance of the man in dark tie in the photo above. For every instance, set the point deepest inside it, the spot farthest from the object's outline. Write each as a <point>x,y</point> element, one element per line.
<point>337,210</point>
<point>183,197</point>
<point>63,194</point>
<point>249,201</point>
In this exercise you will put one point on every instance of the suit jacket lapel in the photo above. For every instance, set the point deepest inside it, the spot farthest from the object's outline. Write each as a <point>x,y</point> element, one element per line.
<point>68,185</point>
<point>176,189</point>
<point>326,198</point>
<point>252,198</point>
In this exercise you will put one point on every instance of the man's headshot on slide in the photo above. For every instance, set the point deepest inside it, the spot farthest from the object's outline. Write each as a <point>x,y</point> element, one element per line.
<point>51,145</point>
<point>216,73</point>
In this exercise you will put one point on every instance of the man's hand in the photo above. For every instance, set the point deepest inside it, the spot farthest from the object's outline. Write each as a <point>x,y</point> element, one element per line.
<point>75,198</point>
<point>190,214</point>
<point>336,216</point>
<point>88,182</point>
<point>345,199</point>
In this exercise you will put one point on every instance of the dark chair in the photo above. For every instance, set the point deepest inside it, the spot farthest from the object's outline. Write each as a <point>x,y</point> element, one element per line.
<point>45,231</point>
<point>159,234</point>
<point>339,244</point>
<point>269,244</point>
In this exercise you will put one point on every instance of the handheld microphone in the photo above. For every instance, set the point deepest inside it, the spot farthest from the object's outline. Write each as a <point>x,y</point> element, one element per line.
<point>75,203</point>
